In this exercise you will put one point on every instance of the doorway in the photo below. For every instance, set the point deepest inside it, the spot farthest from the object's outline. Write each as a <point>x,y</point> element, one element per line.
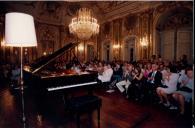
<point>131,54</point>
<point>130,49</point>
<point>90,52</point>
<point>106,51</point>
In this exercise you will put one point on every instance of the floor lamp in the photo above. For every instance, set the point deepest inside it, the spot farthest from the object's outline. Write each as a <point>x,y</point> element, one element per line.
<point>20,32</point>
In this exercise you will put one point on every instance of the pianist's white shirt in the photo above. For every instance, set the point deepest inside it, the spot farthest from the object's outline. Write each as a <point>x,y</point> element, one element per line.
<point>106,75</point>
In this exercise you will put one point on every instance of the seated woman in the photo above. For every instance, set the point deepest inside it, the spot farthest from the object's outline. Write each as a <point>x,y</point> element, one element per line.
<point>135,89</point>
<point>147,70</point>
<point>186,94</point>
<point>171,82</point>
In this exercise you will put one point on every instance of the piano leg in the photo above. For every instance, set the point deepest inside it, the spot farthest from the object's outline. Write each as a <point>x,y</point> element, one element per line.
<point>90,90</point>
<point>78,119</point>
<point>98,114</point>
<point>65,97</point>
<point>41,103</point>
<point>64,101</point>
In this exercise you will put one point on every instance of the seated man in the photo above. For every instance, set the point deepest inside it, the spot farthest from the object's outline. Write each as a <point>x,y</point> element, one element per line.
<point>184,95</point>
<point>106,75</point>
<point>154,77</point>
<point>153,81</point>
<point>171,82</point>
<point>126,80</point>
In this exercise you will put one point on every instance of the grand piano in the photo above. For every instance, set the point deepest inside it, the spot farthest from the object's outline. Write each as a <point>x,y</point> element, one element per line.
<point>42,78</point>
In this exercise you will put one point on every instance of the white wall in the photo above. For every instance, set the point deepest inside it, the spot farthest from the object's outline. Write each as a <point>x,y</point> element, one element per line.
<point>167,40</point>
<point>184,44</point>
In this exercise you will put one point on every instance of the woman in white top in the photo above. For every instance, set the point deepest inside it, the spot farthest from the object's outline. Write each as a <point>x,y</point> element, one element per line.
<point>185,95</point>
<point>171,82</point>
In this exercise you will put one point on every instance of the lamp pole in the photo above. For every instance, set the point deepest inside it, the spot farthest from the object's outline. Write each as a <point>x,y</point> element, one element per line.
<point>22,87</point>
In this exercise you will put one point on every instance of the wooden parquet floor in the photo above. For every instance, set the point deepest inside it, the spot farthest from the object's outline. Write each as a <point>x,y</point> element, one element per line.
<point>116,112</point>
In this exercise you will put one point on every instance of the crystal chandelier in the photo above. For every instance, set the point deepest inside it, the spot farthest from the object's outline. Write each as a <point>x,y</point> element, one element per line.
<point>84,25</point>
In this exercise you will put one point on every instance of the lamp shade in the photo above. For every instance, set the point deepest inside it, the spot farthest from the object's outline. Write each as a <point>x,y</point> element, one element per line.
<point>20,30</point>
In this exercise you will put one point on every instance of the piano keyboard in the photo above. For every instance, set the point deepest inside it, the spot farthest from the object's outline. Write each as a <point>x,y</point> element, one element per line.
<point>71,86</point>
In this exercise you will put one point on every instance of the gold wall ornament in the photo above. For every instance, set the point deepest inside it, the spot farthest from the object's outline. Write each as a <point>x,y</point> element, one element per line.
<point>84,25</point>
<point>3,42</point>
<point>144,41</point>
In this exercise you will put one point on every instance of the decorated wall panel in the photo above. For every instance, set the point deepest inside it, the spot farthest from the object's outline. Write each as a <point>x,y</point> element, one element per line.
<point>48,39</point>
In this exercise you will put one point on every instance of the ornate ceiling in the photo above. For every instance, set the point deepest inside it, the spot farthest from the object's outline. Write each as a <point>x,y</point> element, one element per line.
<point>61,12</point>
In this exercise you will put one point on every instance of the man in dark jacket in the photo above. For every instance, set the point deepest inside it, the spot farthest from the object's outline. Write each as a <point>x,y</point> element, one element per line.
<point>154,77</point>
<point>153,81</point>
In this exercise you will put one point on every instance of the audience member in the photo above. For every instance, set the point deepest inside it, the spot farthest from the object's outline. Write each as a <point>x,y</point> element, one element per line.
<point>185,94</point>
<point>154,77</point>
<point>107,74</point>
<point>126,79</point>
<point>171,85</point>
<point>153,81</point>
<point>135,89</point>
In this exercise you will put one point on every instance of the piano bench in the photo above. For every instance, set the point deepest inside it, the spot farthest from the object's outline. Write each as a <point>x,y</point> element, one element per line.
<point>85,104</point>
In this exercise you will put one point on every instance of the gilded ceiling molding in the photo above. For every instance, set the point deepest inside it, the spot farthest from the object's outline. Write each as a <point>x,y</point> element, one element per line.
<point>31,3</point>
<point>176,21</point>
<point>173,4</point>
<point>129,8</point>
<point>50,11</point>
<point>109,6</point>
<point>72,9</point>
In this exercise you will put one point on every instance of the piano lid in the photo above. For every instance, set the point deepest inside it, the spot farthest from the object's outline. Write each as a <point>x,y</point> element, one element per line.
<point>37,65</point>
